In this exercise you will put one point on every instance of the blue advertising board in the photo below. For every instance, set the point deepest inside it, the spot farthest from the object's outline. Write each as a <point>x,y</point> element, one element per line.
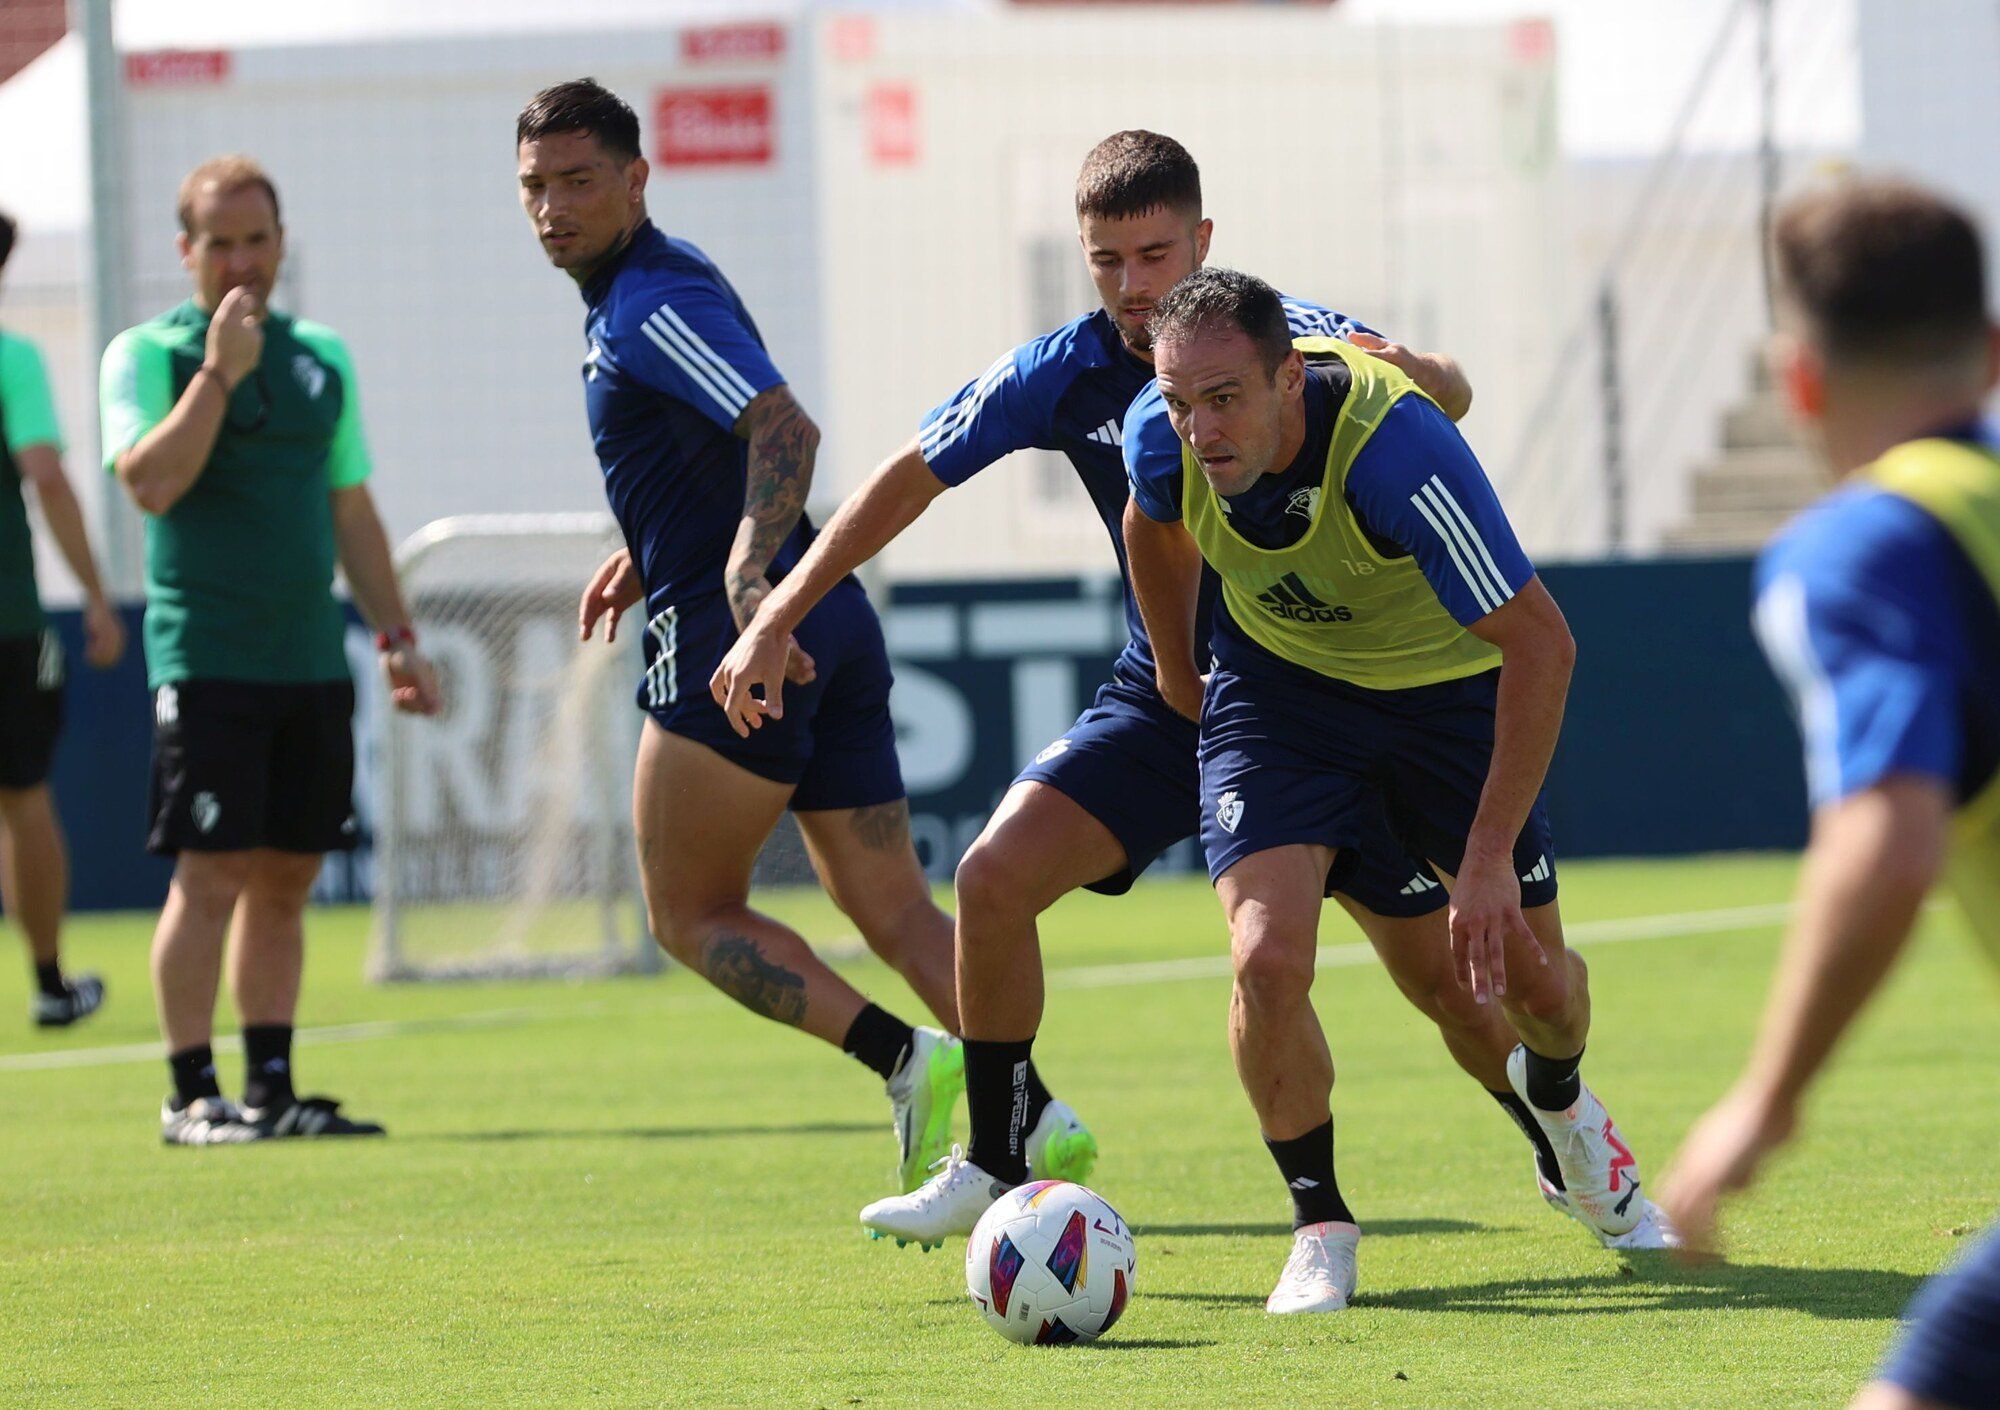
<point>1676,740</point>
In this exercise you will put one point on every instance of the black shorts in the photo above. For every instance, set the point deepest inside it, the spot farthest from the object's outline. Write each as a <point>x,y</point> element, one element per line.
<point>239,764</point>
<point>31,699</point>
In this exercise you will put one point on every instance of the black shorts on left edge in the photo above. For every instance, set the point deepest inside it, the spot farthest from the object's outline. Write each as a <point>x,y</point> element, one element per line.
<point>31,700</point>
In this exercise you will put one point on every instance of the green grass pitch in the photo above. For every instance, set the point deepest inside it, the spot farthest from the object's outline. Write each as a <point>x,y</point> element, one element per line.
<point>632,1193</point>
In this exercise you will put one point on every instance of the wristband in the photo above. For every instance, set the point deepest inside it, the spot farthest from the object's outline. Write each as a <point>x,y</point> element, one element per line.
<point>395,637</point>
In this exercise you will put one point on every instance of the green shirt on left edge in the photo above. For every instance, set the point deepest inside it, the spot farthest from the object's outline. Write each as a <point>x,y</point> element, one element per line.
<point>27,418</point>
<point>239,573</point>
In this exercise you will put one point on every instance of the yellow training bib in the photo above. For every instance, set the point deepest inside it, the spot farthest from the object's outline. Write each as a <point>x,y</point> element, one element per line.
<point>1330,602</point>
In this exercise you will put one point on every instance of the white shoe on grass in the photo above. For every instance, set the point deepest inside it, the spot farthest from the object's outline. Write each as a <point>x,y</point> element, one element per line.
<point>1600,1175</point>
<point>206,1121</point>
<point>948,1203</point>
<point>1320,1274</point>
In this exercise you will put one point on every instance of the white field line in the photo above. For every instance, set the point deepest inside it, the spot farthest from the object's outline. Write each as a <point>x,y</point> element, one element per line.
<point>1591,933</point>
<point>333,1033</point>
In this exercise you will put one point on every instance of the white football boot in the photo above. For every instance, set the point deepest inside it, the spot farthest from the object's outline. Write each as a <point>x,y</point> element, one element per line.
<point>1319,1276</point>
<point>1061,1146</point>
<point>923,1091</point>
<point>206,1121</point>
<point>948,1203</point>
<point>1654,1229</point>
<point>1600,1175</point>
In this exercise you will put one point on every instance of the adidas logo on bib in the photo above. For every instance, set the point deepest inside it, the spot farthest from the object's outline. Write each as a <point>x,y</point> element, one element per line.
<point>1291,599</point>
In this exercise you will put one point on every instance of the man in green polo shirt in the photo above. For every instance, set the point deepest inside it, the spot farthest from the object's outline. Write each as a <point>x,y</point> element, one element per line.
<point>34,864</point>
<point>236,429</point>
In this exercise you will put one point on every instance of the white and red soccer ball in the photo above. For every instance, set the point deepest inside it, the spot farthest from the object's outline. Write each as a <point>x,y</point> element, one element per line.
<point>1050,1263</point>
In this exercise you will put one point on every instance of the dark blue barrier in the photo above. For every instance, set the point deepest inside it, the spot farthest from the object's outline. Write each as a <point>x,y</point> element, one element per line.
<point>1677,738</point>
<point>101,769</point>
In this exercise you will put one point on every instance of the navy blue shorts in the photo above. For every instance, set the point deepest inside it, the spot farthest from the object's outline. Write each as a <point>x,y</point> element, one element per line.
<point>836,743</point>
<point>1302,759</point>
<point>1950,1347</point>
<point>1129,761</point>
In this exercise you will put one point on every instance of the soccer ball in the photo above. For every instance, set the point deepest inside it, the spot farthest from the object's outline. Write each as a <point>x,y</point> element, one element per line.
<point>1050,1263</point>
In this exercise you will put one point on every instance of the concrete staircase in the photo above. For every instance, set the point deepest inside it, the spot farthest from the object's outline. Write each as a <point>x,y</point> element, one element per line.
<point>1759,479</point>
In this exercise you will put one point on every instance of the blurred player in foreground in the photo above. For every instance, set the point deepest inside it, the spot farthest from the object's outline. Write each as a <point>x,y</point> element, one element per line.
<point>707,460</point>
<point>1382,651</point>
<point>1879,608</point>
<point>34,866</point>
<point>236,429</point>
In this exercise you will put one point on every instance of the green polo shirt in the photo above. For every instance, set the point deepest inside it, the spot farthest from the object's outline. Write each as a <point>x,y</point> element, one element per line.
<point>239,573</point>
<point>27,418</point>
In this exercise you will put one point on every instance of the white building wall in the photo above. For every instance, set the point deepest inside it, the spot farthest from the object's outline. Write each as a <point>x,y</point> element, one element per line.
<point>1930,97</point>
<point>395,162</point>
<point>1401,176</point>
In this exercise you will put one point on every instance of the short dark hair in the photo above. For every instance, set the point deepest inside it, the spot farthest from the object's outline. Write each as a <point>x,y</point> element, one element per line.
<point>1133,172</point>
<point>227,175</point>
<point>581,105</point>
<point>7,231</point>
<point>1224,298</point>
<point>1881,270</point>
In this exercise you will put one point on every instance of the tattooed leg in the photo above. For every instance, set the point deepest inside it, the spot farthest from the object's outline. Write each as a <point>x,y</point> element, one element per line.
<point>739,969</point>
<point>867,863</point>
<point>695,865</point>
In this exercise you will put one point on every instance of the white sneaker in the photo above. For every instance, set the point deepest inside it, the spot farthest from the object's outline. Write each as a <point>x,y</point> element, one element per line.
<point>1600,1175</point>
<point>206,1121</point>
<point>1654,1230</point>
<point>949,1203</point>
<point>1319,1276</point>
<point>924,1089</point>
<point>1061,1146</point>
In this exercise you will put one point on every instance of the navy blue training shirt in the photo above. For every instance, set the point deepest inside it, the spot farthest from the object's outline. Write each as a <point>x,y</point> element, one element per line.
<point>1069,391</point>
<point>674,359</point>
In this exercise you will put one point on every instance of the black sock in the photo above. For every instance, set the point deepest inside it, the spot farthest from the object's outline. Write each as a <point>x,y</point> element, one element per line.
<point>1306,1162</point>
<point>194,1074</point>
<point>50,977</point>
<point>267,1065</point>
<point>879,1039</point>
<point>996,1098</point>
<point>1545,1154</point>
<point>1038,1098</point>
<point>1552,1082</point>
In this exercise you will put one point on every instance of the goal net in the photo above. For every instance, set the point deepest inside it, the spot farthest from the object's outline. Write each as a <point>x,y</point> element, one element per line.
<point>504,836</point>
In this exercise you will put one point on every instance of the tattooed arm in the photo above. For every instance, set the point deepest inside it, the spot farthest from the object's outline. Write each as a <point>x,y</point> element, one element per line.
<point>783,444</point>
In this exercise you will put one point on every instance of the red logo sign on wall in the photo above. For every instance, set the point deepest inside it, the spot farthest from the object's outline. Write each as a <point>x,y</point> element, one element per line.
<point>892,124</point>
<point>726,43</point>
<point>176,68</point>
<point>714,126</point>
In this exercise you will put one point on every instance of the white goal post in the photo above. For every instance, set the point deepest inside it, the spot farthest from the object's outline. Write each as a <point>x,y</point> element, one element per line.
<point>503,826</point>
